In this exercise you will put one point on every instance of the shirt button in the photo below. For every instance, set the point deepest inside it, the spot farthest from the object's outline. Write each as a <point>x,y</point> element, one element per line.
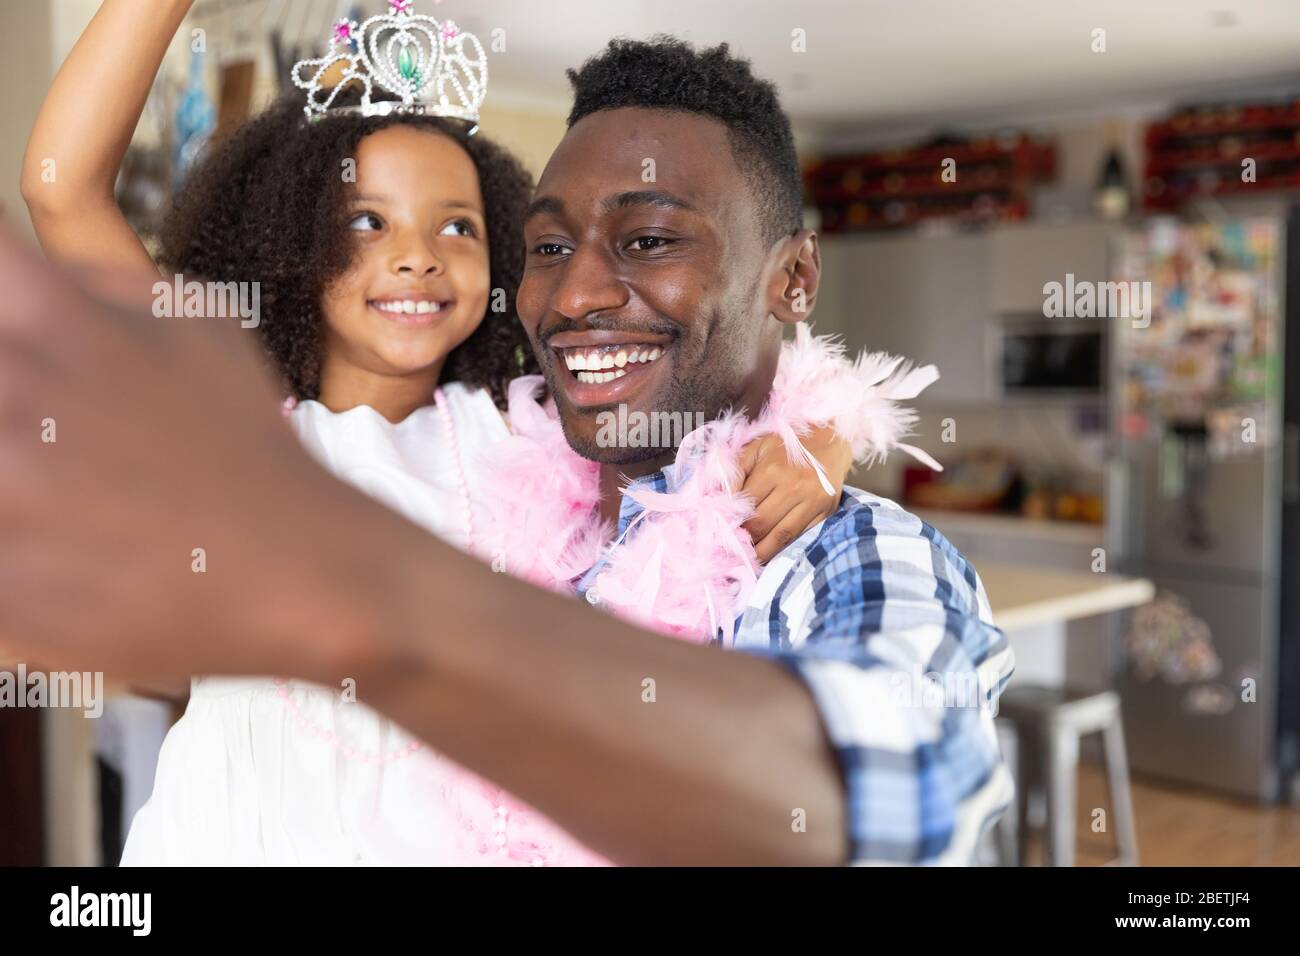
<point>593,597</point>
<point>796,554</point>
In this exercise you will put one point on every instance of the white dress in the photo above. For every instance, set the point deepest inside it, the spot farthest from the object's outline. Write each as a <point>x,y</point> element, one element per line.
<point>287,773</point>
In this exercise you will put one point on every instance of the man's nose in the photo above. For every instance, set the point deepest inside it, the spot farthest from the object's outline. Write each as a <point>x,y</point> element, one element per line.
<point>590,284</point>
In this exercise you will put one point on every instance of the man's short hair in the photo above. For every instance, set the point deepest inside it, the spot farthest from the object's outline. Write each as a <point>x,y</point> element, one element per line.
<point>670,74</point>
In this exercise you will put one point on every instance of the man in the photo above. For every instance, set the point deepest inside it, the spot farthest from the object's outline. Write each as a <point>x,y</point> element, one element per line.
<point>809,750</point>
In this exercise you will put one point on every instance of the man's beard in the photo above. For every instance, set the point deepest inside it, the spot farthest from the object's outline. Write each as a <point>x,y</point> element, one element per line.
<point>685,402</point>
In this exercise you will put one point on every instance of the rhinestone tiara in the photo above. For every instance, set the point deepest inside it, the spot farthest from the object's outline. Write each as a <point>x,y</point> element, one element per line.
<point>433,67</point>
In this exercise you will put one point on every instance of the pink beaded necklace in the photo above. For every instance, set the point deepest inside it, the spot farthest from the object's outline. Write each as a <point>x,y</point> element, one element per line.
<point>462,483</point>
<point>282,685</point>
<point>500,840</point>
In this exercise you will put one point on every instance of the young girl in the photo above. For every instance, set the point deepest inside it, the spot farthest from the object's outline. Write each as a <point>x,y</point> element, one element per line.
<point>375,294</point>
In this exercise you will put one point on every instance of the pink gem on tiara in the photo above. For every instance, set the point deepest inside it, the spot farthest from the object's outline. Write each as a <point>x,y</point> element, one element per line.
<point>343,31</point>
<point>449,31</point>
<point>400,6</point>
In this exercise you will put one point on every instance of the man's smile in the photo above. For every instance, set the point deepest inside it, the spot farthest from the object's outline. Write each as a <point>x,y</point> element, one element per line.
<point>605,367</point>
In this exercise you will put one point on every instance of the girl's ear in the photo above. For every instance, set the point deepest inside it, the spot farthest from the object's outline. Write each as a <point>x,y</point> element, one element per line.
<point>792,292</point>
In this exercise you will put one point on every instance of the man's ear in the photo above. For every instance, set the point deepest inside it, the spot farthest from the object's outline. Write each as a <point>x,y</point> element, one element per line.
<point>792,291</point>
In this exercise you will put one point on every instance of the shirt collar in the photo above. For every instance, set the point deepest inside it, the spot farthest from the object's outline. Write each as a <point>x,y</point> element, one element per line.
<point>629,508</point>
<point>628,511</point>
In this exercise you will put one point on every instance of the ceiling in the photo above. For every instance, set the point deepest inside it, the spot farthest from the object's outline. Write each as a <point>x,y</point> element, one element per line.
<point>886,64</point>
<point>890,62</point>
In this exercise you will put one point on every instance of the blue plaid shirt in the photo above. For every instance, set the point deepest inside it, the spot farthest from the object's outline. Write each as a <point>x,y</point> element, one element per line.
<point>889,628</point>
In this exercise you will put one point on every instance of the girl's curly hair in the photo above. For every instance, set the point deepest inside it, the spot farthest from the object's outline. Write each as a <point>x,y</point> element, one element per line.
<point>268,205</point>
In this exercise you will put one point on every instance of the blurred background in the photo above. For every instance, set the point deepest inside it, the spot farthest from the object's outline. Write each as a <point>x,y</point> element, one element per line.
<point>1082,214</point>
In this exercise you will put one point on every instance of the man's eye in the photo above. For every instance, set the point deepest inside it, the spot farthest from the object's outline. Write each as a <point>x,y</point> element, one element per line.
<point>549,249</point>
<point>366,222</point>
<point>649,243</point>
<point>461,227</point>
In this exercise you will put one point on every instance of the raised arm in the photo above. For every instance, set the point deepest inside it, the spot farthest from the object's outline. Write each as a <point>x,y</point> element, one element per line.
<point>82,133</point>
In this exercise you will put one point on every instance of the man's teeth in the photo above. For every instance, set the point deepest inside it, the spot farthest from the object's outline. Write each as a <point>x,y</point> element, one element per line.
<point>409,306</point>
<point>595,378</point>
<point>594,366</point>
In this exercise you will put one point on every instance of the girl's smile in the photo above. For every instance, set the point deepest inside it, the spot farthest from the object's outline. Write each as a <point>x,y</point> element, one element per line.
<point>412,309</point>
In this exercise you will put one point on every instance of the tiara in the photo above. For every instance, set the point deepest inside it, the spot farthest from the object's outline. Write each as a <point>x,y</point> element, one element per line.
<point>434,68</point>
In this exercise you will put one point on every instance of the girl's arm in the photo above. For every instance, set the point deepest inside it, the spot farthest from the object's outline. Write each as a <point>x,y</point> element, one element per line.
<point>847,409</point>
<point>83,130</point>
<point>81,134</point>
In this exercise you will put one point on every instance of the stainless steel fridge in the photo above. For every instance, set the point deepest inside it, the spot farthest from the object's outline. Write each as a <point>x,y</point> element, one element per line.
<point>1202,490</point>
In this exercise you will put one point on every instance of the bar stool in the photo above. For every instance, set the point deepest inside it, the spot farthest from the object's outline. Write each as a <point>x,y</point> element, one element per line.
<point>1048,724</point>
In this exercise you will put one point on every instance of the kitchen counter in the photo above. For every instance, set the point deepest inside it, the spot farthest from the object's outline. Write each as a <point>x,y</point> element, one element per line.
<point>952,522</point>
<point>1024,597</point>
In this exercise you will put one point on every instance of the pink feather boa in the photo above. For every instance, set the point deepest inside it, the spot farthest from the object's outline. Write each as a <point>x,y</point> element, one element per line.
<point>686,567</point>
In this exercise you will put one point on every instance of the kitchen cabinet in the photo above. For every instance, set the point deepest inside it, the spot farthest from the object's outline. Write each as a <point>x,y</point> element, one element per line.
<point>923,297</point>
<point>940,298</point>
<point>1026,257</point>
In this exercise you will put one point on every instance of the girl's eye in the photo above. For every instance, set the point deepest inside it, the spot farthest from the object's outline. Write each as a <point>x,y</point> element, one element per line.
<point>461,227</point>
<point>366,222</point>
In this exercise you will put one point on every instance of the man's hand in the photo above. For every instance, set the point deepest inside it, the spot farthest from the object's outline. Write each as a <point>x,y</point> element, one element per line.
<point>154,510</point>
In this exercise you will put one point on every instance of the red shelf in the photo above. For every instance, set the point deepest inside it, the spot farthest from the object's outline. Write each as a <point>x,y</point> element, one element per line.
<point>896,188</point>
<point>1198,152</point>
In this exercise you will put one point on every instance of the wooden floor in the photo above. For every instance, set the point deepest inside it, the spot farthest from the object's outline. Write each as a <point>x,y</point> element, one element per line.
<point>1185,827</point>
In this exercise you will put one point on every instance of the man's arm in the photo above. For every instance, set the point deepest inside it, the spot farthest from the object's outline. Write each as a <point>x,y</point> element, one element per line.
<point>129,444</point>
<point>899,650</point>
<point>546,696</point>
<point>875,732</point>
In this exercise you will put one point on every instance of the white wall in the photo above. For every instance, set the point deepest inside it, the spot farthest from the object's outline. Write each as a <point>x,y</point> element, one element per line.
<point>28,58</point>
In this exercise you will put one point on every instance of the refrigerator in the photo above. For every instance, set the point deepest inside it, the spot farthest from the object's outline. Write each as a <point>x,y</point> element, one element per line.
<point>1203,498</point>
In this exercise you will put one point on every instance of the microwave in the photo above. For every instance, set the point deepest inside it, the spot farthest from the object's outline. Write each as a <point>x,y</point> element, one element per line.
<point>1050,357</point>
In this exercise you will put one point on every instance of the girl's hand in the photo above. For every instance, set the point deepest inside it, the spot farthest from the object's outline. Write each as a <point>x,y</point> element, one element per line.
<point>789,498</point>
